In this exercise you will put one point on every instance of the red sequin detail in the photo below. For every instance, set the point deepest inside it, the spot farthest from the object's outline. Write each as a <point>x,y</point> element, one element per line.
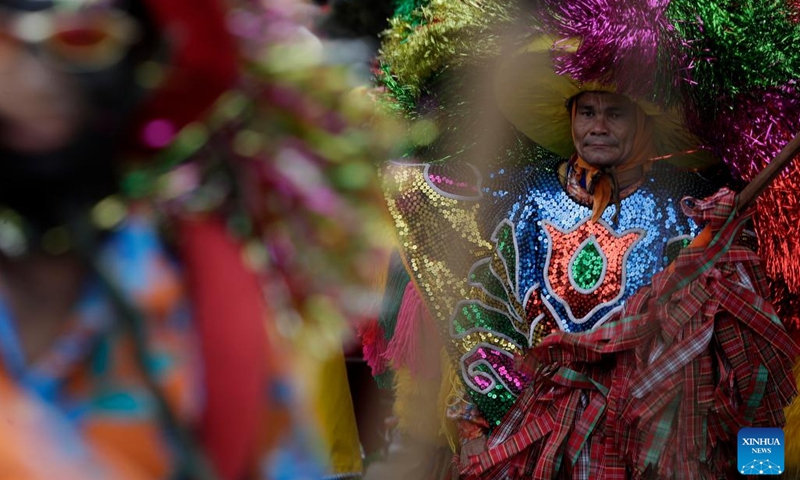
<point>558,270</point>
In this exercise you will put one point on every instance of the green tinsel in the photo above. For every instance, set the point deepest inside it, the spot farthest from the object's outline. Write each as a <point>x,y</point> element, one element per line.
<point>755,44</point>
<point>438,70</point>
<point>405,8</point>
<point>402,95</point>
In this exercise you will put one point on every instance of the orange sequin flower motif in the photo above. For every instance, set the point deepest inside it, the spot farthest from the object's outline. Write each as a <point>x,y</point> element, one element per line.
<point>586,269</point>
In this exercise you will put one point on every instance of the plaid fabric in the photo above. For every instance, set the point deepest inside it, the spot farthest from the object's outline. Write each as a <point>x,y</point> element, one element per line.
<point>692,358</point>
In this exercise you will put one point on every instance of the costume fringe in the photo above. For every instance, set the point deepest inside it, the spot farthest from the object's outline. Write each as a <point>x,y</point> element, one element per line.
<point>792,434</point>
<point>396,281</point>
<point>411,342</point>
<point>373,346</point>
<point>415,406</point>
<point>451,381</point>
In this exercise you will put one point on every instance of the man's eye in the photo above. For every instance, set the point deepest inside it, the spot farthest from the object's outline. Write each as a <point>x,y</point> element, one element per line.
<point>587,114</point>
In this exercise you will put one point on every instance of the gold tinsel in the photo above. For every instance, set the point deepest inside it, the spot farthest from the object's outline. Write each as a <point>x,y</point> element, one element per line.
<point>442,34</point>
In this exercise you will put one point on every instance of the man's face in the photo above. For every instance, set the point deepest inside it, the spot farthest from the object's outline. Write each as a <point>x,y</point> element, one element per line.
<point>604,128</point>
<point>40,107</point>
<point>66,85</point>
<point>65,97</point>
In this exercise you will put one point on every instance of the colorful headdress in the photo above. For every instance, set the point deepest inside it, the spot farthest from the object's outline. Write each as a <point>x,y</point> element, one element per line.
<point>427,37</point>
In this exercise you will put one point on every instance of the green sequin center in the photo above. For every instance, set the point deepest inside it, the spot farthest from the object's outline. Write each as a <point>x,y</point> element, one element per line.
<point>587,268</point>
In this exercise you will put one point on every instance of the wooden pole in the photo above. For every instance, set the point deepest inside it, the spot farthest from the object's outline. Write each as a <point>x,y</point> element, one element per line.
<point>765,177</point>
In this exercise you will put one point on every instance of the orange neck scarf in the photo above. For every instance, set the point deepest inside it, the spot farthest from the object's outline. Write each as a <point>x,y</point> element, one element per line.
<point>603,182</point>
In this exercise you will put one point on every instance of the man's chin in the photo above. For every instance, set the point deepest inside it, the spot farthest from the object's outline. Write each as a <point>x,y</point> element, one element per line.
<point>602,156</point>
<point>603,162</point>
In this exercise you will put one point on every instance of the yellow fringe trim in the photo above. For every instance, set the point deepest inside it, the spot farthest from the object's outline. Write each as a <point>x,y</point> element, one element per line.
<point>449,389</point>
<point>415,406</point>
<point>421,405</point>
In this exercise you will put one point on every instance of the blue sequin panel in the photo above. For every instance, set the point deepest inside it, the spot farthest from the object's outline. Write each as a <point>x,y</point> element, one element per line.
<point>552,227</point>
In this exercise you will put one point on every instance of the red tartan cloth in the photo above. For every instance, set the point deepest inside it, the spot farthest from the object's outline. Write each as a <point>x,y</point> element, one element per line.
<point>662,391</point>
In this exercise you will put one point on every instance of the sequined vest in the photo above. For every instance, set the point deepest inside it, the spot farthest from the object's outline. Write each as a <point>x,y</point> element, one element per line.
<point>506,257</point>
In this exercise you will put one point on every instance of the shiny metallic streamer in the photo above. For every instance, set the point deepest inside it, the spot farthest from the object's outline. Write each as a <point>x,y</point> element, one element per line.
<point>747,135</point>
<point>743,102</point>
<point>628,43</point>
<point>400,98</point>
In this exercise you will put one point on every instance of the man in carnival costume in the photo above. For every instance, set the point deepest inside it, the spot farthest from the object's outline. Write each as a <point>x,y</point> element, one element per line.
<point>143,219</point>
<point>591,338</point>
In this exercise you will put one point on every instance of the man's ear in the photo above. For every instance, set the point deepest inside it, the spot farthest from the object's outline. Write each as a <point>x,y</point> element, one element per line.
<point>569,102</point>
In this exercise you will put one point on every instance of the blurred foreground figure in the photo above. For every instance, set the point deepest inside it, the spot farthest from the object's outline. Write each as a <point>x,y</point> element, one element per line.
<point>187,197</point>
<point>601,310</point>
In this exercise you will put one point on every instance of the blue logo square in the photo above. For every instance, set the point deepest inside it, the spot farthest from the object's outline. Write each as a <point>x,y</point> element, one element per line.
<point>760,451</point>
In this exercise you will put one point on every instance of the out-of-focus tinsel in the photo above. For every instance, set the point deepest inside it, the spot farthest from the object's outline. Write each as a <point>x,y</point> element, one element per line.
<point>289,157</point>
<point>794,10</point>
<point>374,346</point>
<point>435,63</point>
<point>405,8</point>
<point>627,43</point>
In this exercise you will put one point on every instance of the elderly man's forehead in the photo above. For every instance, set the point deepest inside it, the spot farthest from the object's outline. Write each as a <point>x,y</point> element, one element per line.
<point>606,99</point>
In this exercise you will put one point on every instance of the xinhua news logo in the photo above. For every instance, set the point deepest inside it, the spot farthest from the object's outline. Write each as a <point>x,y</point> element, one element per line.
<point>760,451</point>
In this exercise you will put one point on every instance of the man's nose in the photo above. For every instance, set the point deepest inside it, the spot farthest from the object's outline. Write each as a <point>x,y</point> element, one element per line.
<point>599,126</point>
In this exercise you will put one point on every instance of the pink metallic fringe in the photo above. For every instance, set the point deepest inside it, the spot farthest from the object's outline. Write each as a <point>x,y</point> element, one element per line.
<point>415,341</point>
<point>628,43</point>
